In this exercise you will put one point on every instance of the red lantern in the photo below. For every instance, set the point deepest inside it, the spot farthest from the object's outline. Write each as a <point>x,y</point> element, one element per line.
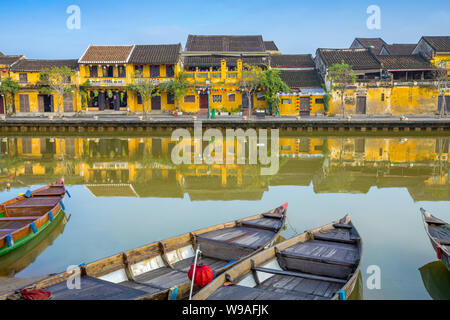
<point>4,70</point>
<point>203,274</point>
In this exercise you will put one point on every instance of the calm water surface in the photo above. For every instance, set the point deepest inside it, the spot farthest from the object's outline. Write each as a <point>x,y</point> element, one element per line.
<point>127,192</point>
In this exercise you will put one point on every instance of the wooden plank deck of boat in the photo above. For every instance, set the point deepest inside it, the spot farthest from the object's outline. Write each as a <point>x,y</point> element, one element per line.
<point>50,191</point>
<point>279,287</point>
<point>315,269</point>
<point>93,288</point>
<point>241,236</point>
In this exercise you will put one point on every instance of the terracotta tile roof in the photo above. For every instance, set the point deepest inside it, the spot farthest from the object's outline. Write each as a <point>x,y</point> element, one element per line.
<point>223,43</point>
<point>9,60</point>
<point>106,54</point>
<point>374,44</point>
<point>301,78</point>
<point>155,54</point>
<point>292,60</point>
<point>35,65</point>
<point>400,48</point>
<point>439,43</point>
<point>270,46</point>
<point>404,62</point>
<point>214,61</point>
<point>359,59</point>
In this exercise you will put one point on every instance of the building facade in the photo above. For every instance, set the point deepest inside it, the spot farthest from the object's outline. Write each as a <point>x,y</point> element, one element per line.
<point>30,98</point>
<point>107,71</point>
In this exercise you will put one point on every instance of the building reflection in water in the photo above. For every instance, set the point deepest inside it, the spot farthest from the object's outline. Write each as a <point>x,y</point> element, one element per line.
<point>142,167</point>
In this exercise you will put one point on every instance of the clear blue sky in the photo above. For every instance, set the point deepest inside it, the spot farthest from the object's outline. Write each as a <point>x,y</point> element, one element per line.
<point>38,28</point>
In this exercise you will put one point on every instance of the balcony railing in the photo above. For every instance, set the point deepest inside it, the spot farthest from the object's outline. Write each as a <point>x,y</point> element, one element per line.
<point>212,76</point>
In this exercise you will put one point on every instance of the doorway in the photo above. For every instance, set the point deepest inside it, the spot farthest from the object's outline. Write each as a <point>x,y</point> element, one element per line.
<point>447,104</point>
<point>156,103</point>
<point>361,105</point>
<point>203,101</point>
<point>2,105</point>
<point>45,103</point>
<point>304,106</point>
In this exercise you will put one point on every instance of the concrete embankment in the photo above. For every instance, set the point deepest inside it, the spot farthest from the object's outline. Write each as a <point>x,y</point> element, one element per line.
<point>134,124</point>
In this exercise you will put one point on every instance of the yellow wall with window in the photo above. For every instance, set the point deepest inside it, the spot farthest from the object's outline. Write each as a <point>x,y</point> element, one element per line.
<point>388,100</point>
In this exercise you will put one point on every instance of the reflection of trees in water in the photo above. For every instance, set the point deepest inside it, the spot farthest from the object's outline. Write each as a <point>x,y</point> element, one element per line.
<point>349,164</point>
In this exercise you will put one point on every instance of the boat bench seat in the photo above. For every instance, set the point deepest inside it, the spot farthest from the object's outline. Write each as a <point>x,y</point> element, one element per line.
<point>323,258</point>
<point>337,235</point>
<point>22,218</point>
<point>301,288</point>
<point>237,292</point>
<point>185,264</point>
<point>264,223</point>
<point>51,191</point>
<point>141,286</point>
<point>163,278</point>
<point>241,236</point>
<point>233,243</point>
<point>324,251</point>
<point>94,289</point>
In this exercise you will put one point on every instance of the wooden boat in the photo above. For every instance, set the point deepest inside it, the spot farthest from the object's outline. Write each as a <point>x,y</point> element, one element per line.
<point>439,233</point>
<point>160,270</point>
<point>22,257</point>
<point>26,216</point>
<point>322,263</point>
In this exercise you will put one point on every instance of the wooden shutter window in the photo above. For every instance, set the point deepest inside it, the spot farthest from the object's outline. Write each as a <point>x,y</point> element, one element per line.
<point>23,77</point>
<point>93,71</point>
<point>154,71</point>
<point>68,102</point>
<point>24,103</point>
<point>169,71</point>
<point>190,98</point>
<point>170,98</point>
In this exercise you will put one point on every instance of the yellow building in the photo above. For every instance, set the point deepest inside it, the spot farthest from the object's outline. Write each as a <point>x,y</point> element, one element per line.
<point>436,49</point>
<point>29,99</point>
<point>386,84</point>
<point>214,67</point>
<point>106,71</point>
<point>5,64</point>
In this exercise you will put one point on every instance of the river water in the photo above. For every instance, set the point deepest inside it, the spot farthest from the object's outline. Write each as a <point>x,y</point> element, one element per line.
<point>129,191</point>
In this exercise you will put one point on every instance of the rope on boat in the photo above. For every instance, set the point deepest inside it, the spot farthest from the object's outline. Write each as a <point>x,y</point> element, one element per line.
<point>290,225</point>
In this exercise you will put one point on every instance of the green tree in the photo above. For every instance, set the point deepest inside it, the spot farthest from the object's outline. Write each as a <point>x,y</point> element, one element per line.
<point>178,87</point>
<point>250,82</point>
<point>57,80</point>
<point>442,79</point>
<point>272,85</point>
<point>342,77</point>
<point>146,88</point>
<point>84,93</point>
<point>9,88</point>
